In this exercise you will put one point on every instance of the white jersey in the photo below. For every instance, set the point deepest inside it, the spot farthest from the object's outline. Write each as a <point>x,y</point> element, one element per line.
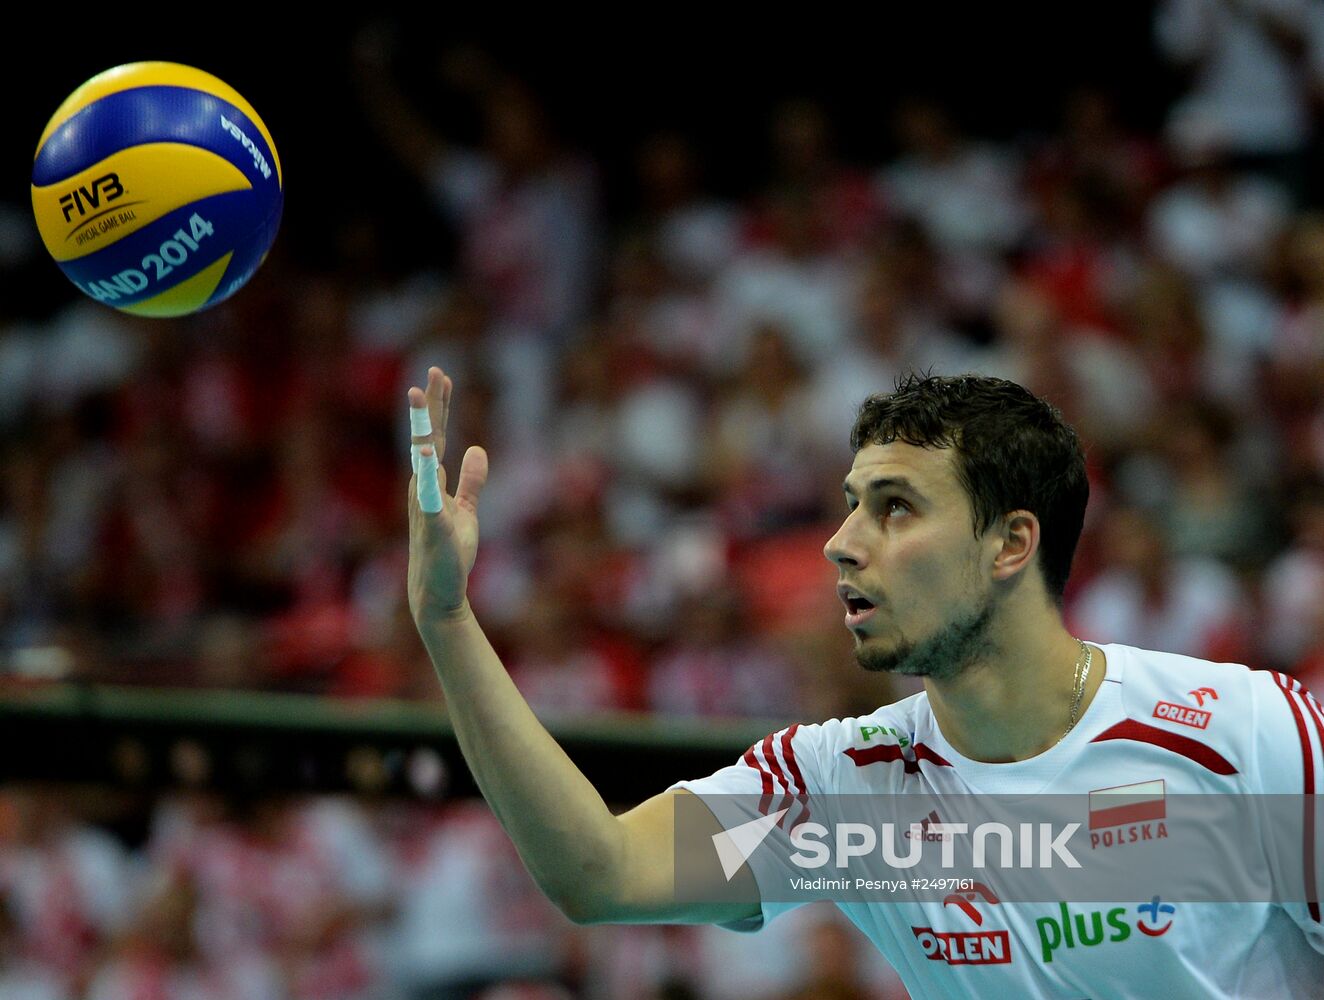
<point>1196,726</point>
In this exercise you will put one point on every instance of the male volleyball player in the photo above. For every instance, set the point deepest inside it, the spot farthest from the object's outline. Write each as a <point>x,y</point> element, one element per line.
<point>964,505</point>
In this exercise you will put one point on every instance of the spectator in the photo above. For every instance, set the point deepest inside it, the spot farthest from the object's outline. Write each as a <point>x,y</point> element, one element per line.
<point>1219,226</point>
<point>22,978</point>
<point>694,235</point>
<point>966,197</point>
<point>1293,594</point>
<point>765,470</point>
<point>1147,596</point>
<point>556,667</point>
<point>470,916</point>
<point>1097,381</point>
<point>1216,507</point>
<point>891,334</point>
<point>841,206</point>
<point>713,669</point>
<point>525,209</point>
<point>66,883</point>
<point>1250,66</point>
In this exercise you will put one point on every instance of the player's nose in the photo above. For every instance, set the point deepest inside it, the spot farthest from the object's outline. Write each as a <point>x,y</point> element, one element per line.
<point>844,548</point>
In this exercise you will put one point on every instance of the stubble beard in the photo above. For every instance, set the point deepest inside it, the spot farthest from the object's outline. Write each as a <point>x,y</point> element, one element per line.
<point>945,653</point>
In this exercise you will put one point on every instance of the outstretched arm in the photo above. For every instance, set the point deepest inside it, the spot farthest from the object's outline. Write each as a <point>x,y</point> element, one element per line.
<point>595,866</point>
<point>408,133</point>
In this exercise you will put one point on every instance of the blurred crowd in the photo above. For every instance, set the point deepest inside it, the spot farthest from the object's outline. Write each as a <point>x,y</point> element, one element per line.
<point>665,390</point>
<point>351,899</point>
<point>666,394</point>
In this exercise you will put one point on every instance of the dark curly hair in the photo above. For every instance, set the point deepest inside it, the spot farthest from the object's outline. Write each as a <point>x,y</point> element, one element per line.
<point>1013,452</point>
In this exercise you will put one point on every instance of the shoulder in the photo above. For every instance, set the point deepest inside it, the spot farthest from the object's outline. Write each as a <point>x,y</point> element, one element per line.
<point>1289,734</point>
<point>1229,717</point>
<point>1147,672</point>
<point>820,750</point>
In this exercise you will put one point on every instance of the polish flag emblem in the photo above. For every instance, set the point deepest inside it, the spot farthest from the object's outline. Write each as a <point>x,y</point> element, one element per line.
<point>1122,805</point>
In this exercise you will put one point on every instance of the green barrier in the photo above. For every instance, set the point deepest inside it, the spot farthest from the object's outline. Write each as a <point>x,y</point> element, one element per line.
<point>243,741</point>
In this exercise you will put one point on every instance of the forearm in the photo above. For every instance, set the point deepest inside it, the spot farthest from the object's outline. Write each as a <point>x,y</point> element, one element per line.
<point>569,840</point>
<point>409,135</point>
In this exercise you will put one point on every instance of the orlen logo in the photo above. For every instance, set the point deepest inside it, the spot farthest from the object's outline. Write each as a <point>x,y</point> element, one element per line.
<point>1184,714</point>
<point>84,198</point>
<point>966,947</point>
<point>1196,718</point>
<point>1086,930</point>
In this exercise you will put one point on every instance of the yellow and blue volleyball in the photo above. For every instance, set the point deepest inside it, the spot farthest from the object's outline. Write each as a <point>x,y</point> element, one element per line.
<point>157,189</point>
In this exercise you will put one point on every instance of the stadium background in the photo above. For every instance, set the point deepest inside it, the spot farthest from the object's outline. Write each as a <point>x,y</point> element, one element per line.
<point>226,769</point>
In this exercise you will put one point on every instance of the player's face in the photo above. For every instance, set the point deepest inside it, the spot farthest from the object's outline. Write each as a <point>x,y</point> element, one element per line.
<point>911,572</point>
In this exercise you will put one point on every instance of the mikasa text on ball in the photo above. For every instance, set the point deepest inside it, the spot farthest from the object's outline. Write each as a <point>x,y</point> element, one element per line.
<point>157,189</point>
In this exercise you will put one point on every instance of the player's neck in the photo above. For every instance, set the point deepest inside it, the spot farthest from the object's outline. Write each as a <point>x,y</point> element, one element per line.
<point>1015,702</point>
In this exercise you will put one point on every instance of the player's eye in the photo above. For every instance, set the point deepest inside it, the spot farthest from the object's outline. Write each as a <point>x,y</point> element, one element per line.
<point>895,505</point>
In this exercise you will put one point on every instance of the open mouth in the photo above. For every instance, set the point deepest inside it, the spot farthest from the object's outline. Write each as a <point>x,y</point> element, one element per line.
<point>858,608</point>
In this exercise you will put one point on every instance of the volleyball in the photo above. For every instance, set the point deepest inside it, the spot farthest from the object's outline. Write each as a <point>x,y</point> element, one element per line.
<point>157,189</point>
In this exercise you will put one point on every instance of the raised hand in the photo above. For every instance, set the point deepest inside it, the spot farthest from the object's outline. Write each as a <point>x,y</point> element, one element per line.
<point>443,529</point>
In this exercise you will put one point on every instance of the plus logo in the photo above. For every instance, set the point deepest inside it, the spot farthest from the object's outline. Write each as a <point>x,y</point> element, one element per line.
<point>1092,928</point>
<point>1155,908</point>
<point>869,732</point>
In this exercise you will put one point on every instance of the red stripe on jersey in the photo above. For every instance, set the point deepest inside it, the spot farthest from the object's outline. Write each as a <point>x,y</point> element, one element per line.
<point>1310,706</point>
<point>1291,689</point>
<point>922,752</point>
<point>788,751</point>
<point>1287,681</point>
<point>753,762</point>
<point>872,755</point>
<point>1206,756</point>
<point>892,752</point>
<point>770,755</point>
<point>1316,710</point>
<point>802,817</point>
<point>797,786</point>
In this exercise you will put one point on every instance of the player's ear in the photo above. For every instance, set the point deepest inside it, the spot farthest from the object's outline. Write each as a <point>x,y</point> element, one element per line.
<point>1019,541</point>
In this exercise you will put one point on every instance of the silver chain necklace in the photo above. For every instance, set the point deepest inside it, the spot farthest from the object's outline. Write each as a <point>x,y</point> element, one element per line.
<point>1082,678</point>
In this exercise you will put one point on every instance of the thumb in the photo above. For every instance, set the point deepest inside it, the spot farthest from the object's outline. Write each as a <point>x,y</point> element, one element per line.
<point>473,477</point>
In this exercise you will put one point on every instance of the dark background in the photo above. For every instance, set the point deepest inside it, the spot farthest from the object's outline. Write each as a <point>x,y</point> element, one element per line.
<point>607,83</point>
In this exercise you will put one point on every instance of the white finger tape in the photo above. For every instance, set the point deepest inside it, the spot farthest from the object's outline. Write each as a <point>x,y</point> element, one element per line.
<point>429,490</point>
<point>420,423</point>
<point>414,456</point>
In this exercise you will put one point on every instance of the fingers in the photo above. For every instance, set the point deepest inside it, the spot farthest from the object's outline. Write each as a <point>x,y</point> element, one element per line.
<point>473,477</point>
<point>438,397</point>
<point>429,410</point>
<point>429,481</point>
<point>420,426</point>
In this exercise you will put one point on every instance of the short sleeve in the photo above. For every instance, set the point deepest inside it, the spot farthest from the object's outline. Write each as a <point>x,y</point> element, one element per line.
<point>780,772</point>
<point>1287,767</point>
